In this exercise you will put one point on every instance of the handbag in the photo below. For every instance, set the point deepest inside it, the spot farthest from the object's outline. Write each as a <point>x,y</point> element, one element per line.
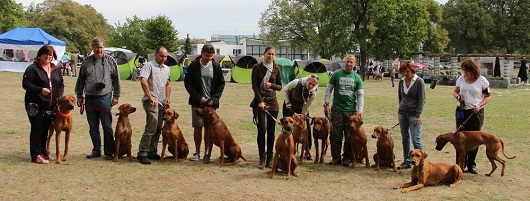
<point>32,109</point>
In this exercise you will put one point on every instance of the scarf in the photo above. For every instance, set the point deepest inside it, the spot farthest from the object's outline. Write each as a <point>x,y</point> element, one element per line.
<point>269,67</point>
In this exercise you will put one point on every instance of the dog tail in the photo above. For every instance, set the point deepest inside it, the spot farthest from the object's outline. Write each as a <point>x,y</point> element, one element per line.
<point>502,143</point>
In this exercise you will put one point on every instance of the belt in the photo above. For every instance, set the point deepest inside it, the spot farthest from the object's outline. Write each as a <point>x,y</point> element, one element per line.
<point>269,98</point>
<point>95,96</point>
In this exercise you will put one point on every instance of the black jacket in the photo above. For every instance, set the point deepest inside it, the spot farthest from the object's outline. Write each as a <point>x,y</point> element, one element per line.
<point>35,78</point>
<point>193,83</point>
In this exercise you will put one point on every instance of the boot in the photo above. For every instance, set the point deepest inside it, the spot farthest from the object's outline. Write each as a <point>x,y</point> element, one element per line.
<point>261,161</point>
<point>269,158</point>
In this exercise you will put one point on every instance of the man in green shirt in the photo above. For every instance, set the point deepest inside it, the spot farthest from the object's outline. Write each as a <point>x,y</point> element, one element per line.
<point>348,100</point>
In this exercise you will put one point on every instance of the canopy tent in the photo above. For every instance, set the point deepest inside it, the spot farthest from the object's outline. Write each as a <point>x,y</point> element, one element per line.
<point>286,69</point>
<point>319,68</point>
<point>127,61</point>
<point>242,71</point>
<point>23,38</point>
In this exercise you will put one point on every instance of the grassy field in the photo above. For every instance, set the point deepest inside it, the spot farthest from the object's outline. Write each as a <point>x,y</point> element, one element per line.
<point>507,116</point>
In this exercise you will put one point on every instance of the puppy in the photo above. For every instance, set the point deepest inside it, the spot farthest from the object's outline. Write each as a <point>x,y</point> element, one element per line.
<point>172,137</point>
<point>385,149</point>
<point>300,134</point>
<point>123,132</point>
<point>284,157</point>
<point>61,122</point>
<point>358,141</point>
<point>217,133</point>
<point>425,173</point>
<point>321,131</point>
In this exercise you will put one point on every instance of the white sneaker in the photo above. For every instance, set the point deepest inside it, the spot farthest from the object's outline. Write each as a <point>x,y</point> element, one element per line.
<point>195,157</point>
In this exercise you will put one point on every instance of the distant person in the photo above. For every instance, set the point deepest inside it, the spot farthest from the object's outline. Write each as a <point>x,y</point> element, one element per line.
<point>99,81</point>
<point>74,59</point>
<point>472,93</point>
<point>299,94</point>
<point>411,96</point>
<point>348,100</point>
<point>65,63</point>
<point>205,84</point>
<point>392,75</point>
<point>43,83</point>
<point>266,80</point>
<point>154,79</point>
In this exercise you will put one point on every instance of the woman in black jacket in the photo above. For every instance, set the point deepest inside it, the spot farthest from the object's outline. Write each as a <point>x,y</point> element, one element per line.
<point>43,83</point>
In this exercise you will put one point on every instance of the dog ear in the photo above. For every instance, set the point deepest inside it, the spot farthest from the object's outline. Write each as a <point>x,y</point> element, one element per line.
<point>175,115</point>
<point>282,120</point>
<point>424,154</point>
<point>385,132</point>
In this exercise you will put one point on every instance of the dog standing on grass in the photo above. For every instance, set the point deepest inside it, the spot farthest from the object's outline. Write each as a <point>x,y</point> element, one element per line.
<point>123,133</point>
<point>61,122</point>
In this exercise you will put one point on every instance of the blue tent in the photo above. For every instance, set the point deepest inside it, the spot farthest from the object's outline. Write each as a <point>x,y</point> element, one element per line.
<point>29,36</point>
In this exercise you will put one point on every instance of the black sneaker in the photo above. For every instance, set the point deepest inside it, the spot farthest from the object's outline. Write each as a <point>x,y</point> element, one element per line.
<point>143,160</point>
<point>109,157</point>
<point>346,162</point>
<point>404,166</point>
<point>154,157</point>
<point>334,162</point>
<point>93,155</point>
<point>472,170</point>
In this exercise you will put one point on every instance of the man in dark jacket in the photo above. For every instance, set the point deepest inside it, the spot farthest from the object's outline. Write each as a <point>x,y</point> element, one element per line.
<point>205,84</point>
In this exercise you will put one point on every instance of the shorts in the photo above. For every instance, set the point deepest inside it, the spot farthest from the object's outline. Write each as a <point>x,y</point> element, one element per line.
<point>196,120</point>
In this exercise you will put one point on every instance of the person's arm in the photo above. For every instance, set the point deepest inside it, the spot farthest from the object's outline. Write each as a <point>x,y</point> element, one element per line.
<point>80,84</point>
<point>256,82</point>
<point>287,91</point>
<point>167,101</point>
<point>218,85</point>
<point>28,79</point>
<point>189,82</point>
<point>116,85</point>
<point>485,94</point>
<point>421,97</point>
<point>277,85</point>
<point>307,105</point>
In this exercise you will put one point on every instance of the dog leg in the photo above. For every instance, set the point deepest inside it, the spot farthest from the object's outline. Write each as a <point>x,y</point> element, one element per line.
<point>57,142</point>
<point>413,188</point>
<point>493,165</point>
<point>353,155</point>
<point>129,149</point>
<point>394,168</point>
<point>291,157</point>
<point>50,134</point>
<point>117,140</point>
<point>457,172</point>
<point>163,154</point>
<point>325,145</point>
<point>66,143</point>
<point>317,156</point>
<point>365,151</point>
<point>175,150</point>
<point>377,161</point>
<point>274,165</point>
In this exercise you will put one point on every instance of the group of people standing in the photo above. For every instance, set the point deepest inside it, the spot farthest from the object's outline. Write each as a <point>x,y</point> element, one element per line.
<point>98,89</point>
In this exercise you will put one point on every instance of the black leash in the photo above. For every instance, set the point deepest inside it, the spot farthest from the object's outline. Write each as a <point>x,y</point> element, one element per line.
<point>394,126</point>
<point>462,125</point>
<point>267,112</point>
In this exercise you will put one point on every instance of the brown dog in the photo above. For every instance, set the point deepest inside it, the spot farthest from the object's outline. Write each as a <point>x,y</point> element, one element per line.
<point>217,133</point>
<point>321,131</point>
<point>359,150</point>
<point>425,173</point>
<point>172,137</point>
<point>300,134</point>
<point>378,77</point>
<point>385,149</point>
<point>284,157</point>
<point>123,132</point>
<point>61,122</point>
<point>465,141</point>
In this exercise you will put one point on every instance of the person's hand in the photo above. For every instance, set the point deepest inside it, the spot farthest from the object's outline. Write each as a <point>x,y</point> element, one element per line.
<point>80,101</point>
<point>45,91</point>
<point>327,110</point>
<point>416,121</point>
<point>261,106</point>
<point>203,101</point>
<point>115,101</point>
<point>460,98</point>
<point>152,101</point>
<point>167,103</point>
<point>210,103</point>
<point>267,85</point>
<point>360,114</point>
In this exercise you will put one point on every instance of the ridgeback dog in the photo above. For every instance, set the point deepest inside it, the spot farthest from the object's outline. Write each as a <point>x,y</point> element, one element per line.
<point>425,173</point>
<point>217,133</point>
<point>123,132</point>
<point>61,122</point>
<point>465,141</point>
<point>284,158</point>
<point>385,149</point>
<point>358,140</point>
<point>321,131</point>
<point>172,137</point>
<point>300,135</point>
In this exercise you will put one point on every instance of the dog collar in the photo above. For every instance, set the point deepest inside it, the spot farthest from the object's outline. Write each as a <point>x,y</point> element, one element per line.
<point>63,114</point>
<point>217,122</point>
<point>283,130</point>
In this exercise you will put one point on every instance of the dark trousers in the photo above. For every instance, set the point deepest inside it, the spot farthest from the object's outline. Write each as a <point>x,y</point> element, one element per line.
<point>94,117</point>
<point>38,134</point>
<point>289,113</point>
<point>266,125</point>
<point>340,131</point>
<point>473,124</point>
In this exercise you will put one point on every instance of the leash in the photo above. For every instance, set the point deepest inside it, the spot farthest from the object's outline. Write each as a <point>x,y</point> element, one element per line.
<point>462,125</point>
<point>394,126</point>
<point>267,112</point>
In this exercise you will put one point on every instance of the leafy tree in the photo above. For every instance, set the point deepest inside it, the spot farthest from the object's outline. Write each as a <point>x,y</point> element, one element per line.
<point>11,15</point>
<point>69,21</point>
<point>470,26</point>
<point>132,35</point>
<point>512,30</point>
<point>186,48</point>
<point>159,31</point>
<point>437,37</point>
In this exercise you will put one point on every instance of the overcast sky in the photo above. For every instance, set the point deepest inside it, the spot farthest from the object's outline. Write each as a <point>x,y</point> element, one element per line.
<point>199,18</point>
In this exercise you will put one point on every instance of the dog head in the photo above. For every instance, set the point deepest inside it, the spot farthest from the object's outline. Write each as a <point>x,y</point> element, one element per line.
<point>418,157</point>
<point>170,115</point>
<point>207,113</point>
<point>126,109</point>
<point>355,123</point>
<point>287,124</point>
<point>66,102</point>
<point>236,151</point>
<point>380,132</point>
<point>300,121</point>
<point>319,123</point>
<point>442,140</point>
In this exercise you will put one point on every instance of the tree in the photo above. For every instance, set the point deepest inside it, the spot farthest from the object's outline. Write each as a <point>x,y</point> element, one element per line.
<point>470,26</point>
<point>11,15</point>
<point>437,37</point>
<point>511,30</point>
<point>131,35</point>
<point>159,31</point>
<point>186,48</point>
<point>69,21</point>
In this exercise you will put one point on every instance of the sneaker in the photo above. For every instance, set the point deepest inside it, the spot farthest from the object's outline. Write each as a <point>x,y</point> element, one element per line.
<point>404,166</point>
<point>472,170</point>
<point>154,157</point>
<point>41,160</point>
<point>334,162</point>
<point>346,162</point>
<point>195,157</point>
<point>109,157</point>
<point>48,157</point>
<point>93,155</point>
<point>143,160</point>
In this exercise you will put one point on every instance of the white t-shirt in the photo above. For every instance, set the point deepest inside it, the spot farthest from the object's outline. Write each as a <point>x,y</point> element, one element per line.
<point>472,92</point>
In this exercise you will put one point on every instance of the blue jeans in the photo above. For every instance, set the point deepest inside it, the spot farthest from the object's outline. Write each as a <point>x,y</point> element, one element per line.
<point>95,116</point>
<point>408,132</point>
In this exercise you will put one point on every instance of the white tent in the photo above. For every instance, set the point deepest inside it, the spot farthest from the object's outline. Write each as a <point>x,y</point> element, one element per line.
<point>21,38</point>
